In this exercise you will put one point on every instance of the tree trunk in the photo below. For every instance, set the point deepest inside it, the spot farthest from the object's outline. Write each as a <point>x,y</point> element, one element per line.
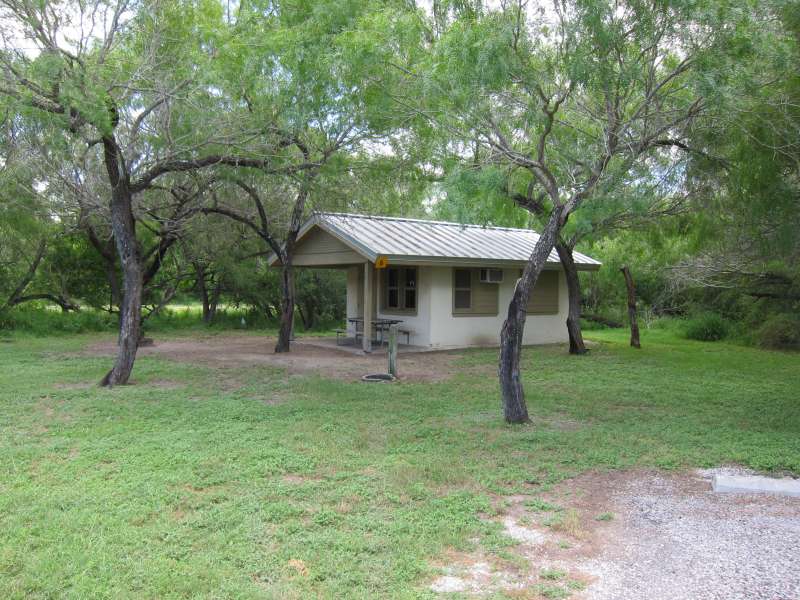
<point>303,311</point>
<point>287,271</point>
<point>200,280</point>
<point>214,302</point>
<point>308,313</point>
<point>106,251</point>
<point>13,299</point>
<point>124,229</point>
<point>631,307</point>
<point>287,306</point>
<point>514,408</point>
<point>576,345</point>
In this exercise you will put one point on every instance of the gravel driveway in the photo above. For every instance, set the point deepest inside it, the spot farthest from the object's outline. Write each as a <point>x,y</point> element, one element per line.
<point>637,535</point>
<point>676,539</point>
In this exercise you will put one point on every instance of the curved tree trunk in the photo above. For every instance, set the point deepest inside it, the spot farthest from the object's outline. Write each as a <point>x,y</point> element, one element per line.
<point>64,302</point>
<point>124,227</point>
<point>15,296</point>
<point>287,306</point>
<point>287,271</point>
<point>514,407</point>
<point>576,345</point>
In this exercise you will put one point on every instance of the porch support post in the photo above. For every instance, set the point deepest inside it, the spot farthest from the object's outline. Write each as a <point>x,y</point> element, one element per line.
<point>368,316</point>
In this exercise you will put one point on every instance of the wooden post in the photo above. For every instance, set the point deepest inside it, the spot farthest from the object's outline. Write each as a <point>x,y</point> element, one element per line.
<point>626,272</point>
<point>393,349</point>
<point>367,333</point>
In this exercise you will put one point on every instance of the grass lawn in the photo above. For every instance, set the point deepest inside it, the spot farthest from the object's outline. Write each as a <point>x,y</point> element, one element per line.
<point>249,484</point>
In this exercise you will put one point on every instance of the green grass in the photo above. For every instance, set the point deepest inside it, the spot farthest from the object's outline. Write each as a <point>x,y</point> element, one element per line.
<point>249,484</point>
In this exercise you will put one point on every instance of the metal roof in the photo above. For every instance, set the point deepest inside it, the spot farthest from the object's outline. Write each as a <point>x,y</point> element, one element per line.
<point>433,241</point>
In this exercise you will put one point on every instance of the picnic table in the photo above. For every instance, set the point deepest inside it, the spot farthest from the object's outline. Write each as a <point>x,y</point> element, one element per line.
<point>380,326</point>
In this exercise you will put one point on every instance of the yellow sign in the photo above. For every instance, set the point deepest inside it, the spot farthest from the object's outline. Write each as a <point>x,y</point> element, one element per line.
<point>381,262</point>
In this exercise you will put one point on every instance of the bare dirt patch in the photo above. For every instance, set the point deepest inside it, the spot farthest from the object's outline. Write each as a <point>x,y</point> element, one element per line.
<point>637,535</point>
<point>237,351</point>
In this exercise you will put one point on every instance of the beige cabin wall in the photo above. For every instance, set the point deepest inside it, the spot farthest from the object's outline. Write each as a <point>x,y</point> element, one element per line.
<point>449,330</point>
<point>435,325</point>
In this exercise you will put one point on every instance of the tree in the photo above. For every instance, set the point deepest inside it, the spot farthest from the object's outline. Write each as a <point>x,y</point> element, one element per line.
<point>576,98</point>
<point>26,228</point>
<point>135,84</point>
<point>747,244</point>
<point>298,73</point>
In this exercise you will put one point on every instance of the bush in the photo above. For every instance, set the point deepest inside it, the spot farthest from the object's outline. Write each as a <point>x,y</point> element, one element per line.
<point>780,332</point>
<point>707,327</point>
<point>41,320</point>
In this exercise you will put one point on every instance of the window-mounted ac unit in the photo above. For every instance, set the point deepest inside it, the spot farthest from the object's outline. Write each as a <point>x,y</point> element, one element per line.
<point>491,276</point>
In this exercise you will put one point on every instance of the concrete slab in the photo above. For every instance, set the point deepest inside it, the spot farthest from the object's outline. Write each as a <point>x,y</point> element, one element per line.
<point>751,484</point>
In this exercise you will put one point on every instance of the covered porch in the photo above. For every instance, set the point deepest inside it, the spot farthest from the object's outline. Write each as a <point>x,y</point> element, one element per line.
<point>317,249</point>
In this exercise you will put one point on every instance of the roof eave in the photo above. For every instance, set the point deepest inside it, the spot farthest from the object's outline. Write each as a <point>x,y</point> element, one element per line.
<point>472,261</point>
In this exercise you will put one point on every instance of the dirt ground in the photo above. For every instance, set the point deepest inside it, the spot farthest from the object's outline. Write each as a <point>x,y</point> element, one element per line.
<point>639,535</point>
<point>308,356</point>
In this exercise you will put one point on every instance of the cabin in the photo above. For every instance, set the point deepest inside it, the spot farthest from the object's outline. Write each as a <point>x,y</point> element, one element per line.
<point>446,285</point>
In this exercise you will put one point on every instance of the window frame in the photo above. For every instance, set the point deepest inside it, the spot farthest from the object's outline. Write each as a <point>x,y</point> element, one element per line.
<point>484,298</point>
<point>402,288</point>
<point>461,310</point>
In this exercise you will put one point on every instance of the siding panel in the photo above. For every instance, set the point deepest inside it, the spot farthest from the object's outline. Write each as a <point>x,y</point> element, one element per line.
<point>318,247</point>
<point>544,297</point>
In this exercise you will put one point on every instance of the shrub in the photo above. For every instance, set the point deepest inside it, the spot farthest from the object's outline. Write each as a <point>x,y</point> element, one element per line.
<point>40,320</point>
<point>707,327</point>
<point>779,332</point>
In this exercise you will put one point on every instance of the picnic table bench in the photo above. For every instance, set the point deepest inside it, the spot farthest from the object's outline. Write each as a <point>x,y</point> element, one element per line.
<point>380,326</point>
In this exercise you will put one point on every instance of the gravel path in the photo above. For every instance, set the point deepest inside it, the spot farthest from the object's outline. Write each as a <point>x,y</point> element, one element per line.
<point>676,539</point>
<point>666,536</point>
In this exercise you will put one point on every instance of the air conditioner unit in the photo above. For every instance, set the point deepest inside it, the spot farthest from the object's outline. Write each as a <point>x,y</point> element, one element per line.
<point>491,276</point>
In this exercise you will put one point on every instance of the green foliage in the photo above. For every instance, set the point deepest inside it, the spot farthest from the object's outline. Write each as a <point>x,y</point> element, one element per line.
<point>479,196</point>
<point>706,327</point>
<point>552,574</point>
<point>780,332</point>
<point>43,321</point>
<point>539,505</point>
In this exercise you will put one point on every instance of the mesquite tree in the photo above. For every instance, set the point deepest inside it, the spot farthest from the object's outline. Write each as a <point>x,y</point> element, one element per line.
<point>136,85</point>
<point>298,73</point>
<point>577,96</point>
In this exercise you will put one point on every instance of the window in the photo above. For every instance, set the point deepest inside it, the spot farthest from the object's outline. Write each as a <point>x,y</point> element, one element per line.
<point>392,288</point>
<point>400,289</point>
<point>462,289</point>
<point>473,297</point>
<point>410,288</point>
